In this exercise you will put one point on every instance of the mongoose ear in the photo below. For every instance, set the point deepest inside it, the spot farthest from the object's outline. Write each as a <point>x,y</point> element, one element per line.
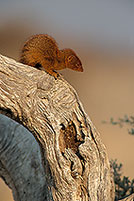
<point>70,58</point>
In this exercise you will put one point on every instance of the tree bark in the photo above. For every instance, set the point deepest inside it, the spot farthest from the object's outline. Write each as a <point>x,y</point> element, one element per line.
<point>129,198</point>
<point>75,161</point>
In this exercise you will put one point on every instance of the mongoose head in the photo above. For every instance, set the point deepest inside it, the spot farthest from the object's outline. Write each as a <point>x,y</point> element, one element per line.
<point>72,61</point>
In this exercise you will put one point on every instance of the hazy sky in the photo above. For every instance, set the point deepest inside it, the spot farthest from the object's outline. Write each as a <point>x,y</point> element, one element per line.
<point>105,20</point>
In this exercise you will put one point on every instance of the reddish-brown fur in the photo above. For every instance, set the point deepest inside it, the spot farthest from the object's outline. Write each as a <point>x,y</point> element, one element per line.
<point>42,51</point>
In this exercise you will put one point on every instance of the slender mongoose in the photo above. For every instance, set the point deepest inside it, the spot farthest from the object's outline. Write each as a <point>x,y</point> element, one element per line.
<point>41,51</point>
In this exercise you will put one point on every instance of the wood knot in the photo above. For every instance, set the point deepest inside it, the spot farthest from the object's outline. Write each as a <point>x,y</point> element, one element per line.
<point>68,138</point>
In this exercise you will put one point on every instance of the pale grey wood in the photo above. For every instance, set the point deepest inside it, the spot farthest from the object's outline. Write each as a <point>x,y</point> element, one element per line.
<point>75,160</point>
<point>20,162</point>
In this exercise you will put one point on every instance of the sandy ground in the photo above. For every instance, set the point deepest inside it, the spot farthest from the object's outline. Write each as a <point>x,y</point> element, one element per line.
<point>106,89</point>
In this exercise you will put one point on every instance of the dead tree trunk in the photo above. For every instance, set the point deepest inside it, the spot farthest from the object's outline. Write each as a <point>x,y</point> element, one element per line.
<point>75,161</point>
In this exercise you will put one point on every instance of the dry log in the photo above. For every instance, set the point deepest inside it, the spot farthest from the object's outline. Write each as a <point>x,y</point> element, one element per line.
<point>75,161</point>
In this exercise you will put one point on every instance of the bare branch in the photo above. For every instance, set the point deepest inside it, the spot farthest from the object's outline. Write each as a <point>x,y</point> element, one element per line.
<point>76,164</point>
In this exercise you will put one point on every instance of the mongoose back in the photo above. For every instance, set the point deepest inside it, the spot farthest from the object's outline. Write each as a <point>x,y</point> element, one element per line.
<point>41,51</point>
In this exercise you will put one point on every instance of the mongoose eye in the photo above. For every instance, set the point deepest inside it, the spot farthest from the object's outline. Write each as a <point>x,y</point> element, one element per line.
<point>77,65</point>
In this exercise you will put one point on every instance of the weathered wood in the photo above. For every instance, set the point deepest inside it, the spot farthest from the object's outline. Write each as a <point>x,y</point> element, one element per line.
<point>75,160</point>
<point>20,162</point>
<point>129,198</point>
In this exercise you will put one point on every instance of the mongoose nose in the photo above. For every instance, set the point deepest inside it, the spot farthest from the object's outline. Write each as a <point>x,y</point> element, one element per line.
<point>81,69</point>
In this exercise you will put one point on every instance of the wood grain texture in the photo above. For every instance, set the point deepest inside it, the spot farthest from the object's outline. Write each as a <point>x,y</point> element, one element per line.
<point>129,198</point>
<point>75,160</point>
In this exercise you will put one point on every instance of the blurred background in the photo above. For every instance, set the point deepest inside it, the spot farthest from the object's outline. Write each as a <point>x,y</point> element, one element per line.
<point>102,34</point>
